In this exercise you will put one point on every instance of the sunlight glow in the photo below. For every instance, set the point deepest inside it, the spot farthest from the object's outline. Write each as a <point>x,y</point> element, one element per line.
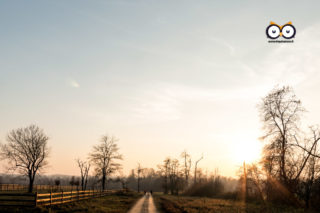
<point>249,152</point>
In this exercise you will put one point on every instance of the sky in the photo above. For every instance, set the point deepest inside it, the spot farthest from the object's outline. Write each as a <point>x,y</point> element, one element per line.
<point>161,76</point>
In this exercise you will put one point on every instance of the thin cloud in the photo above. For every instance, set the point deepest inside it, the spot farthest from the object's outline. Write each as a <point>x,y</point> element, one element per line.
<point>165,102</point>
<point>231,49</point>
<point>74,84</point>
<point>225,44</point>
<point>155,106</point>
<point>287,64</point>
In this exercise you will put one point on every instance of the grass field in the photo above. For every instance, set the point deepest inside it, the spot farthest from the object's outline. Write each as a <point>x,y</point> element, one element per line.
<point>179,204</point>
<point>115,203</point>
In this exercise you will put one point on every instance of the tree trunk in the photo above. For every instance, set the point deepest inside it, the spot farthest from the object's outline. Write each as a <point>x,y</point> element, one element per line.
<point>31,180</point>
<point>195,175</point>
<point>166,185</point>
<point>82,183</point>
<point>171,186</point>
<point>307,198</point>
<point>85,183</point>
<point>283,175</point>
<point>103,181</point>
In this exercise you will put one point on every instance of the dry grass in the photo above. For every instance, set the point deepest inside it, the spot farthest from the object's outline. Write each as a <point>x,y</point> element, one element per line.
<point>115,203</point>
<point>178,204</point>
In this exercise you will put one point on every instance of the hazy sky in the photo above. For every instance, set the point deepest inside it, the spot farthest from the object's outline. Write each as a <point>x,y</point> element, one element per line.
<point>162,76</point>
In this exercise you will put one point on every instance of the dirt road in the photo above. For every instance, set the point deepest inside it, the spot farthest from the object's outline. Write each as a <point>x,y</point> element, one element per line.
<point>144,205</point>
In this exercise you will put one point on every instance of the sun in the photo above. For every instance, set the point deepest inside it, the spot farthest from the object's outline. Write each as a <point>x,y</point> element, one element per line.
<point>249,152</point>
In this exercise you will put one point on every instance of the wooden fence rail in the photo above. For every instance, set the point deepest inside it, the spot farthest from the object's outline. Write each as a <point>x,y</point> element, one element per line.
<point>45,199</point>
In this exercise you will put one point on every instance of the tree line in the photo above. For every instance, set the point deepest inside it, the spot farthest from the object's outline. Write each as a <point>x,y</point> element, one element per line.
<point>288,172</point>
<point>179,175</point>
<point>27,152</point>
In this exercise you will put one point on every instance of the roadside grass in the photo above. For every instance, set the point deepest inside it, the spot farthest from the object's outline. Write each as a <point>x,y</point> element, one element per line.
<point>115,203</point>
<point>182,204</point>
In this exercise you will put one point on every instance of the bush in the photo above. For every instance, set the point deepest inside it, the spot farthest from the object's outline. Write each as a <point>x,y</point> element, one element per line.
<point>211,188</point>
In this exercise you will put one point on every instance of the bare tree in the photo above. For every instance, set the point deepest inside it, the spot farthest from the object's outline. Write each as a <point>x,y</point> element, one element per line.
<point>84,172</point>
<point>171,175</point>
<point>312,170</point>
<point>72,181</point>
<point>164,171</point>
<point>104,157</point>
<point>26,151</point>
<point>254,178</point>
<point>287,151</point>
<point>280,112</point>
<point>57,182</point>
<point>195,169</point>
<point>175,176</point>
<point>186,166</point>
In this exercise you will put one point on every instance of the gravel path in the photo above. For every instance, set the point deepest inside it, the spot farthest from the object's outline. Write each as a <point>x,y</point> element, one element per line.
<point>144,205</point>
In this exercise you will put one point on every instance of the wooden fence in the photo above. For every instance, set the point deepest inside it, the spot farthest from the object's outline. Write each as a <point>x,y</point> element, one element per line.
<point>17,199</point>
<point>46,199</point>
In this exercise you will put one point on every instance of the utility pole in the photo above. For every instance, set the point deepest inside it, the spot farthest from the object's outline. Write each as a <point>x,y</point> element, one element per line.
<point>139,171</point>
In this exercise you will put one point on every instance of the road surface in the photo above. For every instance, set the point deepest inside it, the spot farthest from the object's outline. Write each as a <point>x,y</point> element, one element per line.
<point>144,205</point>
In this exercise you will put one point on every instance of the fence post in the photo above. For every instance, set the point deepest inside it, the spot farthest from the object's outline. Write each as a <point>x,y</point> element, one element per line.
<point>50,197</point>
<point>62,197</point>
<point>36,199</point>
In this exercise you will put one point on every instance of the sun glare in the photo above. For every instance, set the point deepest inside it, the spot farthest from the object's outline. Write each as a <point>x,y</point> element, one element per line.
<point>247,151</point>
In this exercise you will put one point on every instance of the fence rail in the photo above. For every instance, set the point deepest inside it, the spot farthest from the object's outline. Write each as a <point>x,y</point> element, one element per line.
<point>46,199</point>
<point>17,199</point>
